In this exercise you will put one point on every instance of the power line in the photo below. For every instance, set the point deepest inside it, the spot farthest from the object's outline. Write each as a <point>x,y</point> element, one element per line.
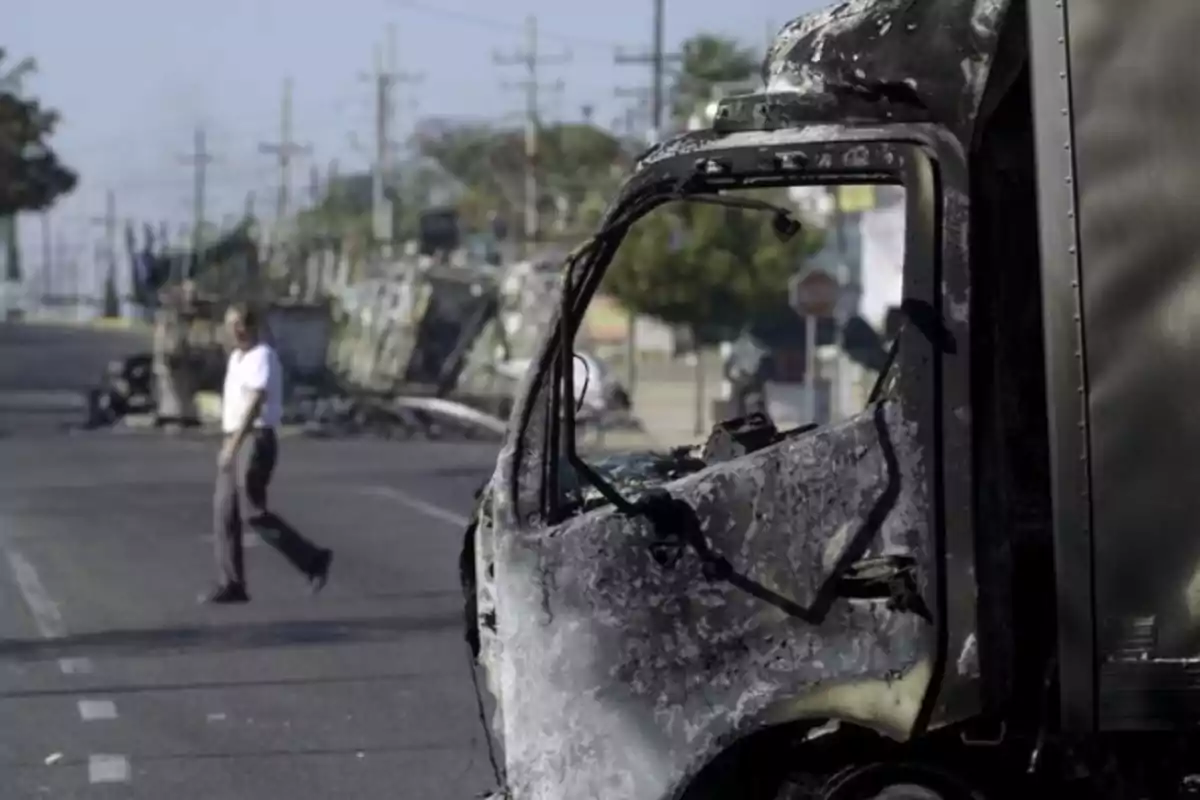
<point>494,23</point>
<point>386,77</point>
<point>230,177</point>
<point>109,221</point>
<point>657,58</point>
<point>532,60</point>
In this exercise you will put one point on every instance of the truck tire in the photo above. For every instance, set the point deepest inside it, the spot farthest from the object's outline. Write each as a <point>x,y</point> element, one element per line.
<point>897,781</point>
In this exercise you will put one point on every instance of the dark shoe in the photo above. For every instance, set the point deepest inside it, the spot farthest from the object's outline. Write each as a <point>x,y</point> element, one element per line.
<point>319,574</point>
<point>226,595</point>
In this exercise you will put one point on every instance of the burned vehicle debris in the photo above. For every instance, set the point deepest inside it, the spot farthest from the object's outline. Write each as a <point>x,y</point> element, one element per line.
<point>979,583</point>
<point>650,618</point>
<point>421,380</point>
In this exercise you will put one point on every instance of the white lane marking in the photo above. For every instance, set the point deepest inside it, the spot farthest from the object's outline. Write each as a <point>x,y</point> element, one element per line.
<point>48,618</point>
<point>92,710</point>
<point>108,769</point>
<point>416,503</point>
<point>75,666</point>
<point>46,615</point>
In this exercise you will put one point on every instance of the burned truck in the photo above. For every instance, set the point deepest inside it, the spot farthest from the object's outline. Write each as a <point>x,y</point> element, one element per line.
<point>982,584</point>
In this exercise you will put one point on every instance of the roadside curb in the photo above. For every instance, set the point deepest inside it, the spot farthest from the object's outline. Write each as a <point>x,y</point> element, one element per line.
<point>208,406</point>
<point>101,324</point>
<point>119,325</point>
<point>144,423</point>
<point>208,409</point>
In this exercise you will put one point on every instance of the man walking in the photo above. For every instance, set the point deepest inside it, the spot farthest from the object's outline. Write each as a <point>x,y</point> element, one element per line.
<point>251,410</point>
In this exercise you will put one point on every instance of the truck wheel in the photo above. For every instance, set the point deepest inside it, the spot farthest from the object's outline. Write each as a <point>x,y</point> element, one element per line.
<point>883,781</point>
<point>907,791</point>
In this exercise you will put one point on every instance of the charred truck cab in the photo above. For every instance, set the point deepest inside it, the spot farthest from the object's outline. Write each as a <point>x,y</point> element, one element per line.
<point>985,581</point>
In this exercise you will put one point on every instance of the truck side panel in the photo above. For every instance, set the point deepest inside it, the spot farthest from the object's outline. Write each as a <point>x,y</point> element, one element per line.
<point>1066,377</point>
<point>1135,113</point>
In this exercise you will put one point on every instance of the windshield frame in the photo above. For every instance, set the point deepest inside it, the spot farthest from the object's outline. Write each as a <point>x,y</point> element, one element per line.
<point>820,154</point>
<point>944,333</point>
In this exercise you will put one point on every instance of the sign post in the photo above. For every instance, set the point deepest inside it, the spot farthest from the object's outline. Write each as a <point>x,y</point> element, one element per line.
<point>814,293</point>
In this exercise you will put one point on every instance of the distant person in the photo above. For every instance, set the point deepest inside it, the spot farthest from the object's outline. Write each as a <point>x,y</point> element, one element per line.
<point>251,411</point>
<point>747,369</point>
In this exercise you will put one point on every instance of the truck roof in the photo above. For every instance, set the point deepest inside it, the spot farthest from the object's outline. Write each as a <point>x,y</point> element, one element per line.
<point>927,60</point>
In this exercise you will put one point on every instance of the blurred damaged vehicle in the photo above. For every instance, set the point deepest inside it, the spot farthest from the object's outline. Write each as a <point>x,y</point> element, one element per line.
<point>982,583</point>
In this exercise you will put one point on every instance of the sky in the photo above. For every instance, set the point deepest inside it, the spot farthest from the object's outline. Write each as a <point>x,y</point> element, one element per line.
<point>133,78</point>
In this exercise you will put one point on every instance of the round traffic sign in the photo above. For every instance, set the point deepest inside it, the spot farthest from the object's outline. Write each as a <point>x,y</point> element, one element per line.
<point>814,293</point>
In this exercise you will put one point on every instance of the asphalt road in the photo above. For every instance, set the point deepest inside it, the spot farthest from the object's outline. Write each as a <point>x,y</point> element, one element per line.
<point>46,357</point>
<point>114,683</point>
<point>45,370</point>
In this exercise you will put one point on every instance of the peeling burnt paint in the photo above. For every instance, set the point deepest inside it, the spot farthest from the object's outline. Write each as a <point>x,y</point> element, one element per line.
<point>619,676</point>
<point>878,60</point>
<point>618,672</point>
<point>701,142</point>
<point>864,62</point>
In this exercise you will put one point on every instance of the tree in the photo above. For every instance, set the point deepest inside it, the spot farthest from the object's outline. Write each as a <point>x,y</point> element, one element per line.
<point>344,210</point>
<point>709,60</point>
<point>708,269</point>
<point>579,165</point>
<point>31,176</point>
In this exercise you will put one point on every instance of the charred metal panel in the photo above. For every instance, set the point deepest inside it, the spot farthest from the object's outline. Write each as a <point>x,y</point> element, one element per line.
<point>459,308</point>
<point>621,665</point>
<point>1135,103</point>
<point>880,61</point>
<point>620,671</point>
<point>1066,375</point>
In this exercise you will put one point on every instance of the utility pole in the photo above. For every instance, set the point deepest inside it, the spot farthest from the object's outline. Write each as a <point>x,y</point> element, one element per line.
<point>332,183</point>
<point>199,159</point>
<point>532,60</point>
<point>658,59</point>
<point>386,77</point>
<point>284,150</point>
<point>111,301</point>
<point>47,261</point>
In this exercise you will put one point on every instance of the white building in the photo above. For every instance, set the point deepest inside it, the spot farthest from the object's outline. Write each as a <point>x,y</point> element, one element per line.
<point>882,230</point>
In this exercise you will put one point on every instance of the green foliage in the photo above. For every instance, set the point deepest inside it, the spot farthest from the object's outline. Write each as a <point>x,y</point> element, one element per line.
<point>704,267</point>
<point>579,164</point>
<point>709,60</point>
<point>464,150</point>
<point>31,176</point>
<point>344,210</point>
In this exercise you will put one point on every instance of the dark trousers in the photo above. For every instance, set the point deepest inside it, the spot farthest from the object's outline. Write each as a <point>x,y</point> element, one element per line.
<point>241,495</point>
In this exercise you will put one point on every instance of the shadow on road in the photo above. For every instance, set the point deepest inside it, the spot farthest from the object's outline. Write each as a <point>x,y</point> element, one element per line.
<point>232,636</point>
<point>251,755</point>
<point>194,686</point>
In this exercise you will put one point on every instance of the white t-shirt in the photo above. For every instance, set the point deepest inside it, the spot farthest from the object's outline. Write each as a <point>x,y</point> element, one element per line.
<point>256,369</point>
